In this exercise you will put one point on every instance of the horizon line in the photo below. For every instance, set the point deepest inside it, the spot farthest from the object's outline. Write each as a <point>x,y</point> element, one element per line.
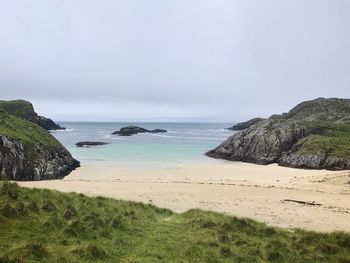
<point>138,121</point>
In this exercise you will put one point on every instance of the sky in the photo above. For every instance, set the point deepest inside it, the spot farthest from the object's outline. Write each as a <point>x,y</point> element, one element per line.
<point>174,60</point>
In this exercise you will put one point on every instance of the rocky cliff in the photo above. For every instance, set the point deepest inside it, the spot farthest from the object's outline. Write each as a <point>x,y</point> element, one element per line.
<point>314,134</point>
<point>244,125</point>
<point>25,110</point>
<point>28,152</point>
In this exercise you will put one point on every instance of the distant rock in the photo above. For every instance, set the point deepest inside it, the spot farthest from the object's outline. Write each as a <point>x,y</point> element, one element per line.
<point>24,109</point>
<point>88,144</point>
<point>244,125</point>
<point>131,130</point>
<point>29,152</point>
<point>314,134</point>
<point>158,131</point>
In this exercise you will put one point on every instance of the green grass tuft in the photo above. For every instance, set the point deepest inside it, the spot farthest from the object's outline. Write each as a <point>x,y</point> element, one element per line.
<point>91,251</point>
<point>10,189</point>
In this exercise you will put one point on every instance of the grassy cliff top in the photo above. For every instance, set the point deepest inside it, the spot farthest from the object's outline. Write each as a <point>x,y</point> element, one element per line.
<point>331,106</point>
<point>328,123</point>
<point>49,226</point>
<point>26,131</point>
<point>25,110</point>
<point>19,108</point>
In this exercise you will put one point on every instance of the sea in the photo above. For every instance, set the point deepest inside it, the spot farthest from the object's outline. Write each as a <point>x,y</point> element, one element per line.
<point>183,144</point>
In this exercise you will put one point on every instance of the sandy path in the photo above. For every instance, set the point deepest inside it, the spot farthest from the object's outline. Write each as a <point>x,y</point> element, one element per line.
<point>239,189</point>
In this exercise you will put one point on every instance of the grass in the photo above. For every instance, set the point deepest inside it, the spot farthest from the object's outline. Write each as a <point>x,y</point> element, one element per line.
<point>18,108</point>
<point>49,226</point>
<point>327,123</point>
<point>28,132</point>
<point>329,138</point>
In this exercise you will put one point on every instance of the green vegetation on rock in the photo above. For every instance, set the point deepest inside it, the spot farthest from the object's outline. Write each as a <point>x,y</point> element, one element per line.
<point>28,152</point>
<point>320,106</point>
<point>19,108</point>
<point>25,110</point>
<point>27,132</point>
<point>331,138</point>
<point>48,226</point>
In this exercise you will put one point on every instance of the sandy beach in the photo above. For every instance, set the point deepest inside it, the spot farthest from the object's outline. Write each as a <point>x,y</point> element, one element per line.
<point>269,194</point>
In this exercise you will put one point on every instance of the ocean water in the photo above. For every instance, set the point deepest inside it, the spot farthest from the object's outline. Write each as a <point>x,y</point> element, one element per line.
<point>184,143</point>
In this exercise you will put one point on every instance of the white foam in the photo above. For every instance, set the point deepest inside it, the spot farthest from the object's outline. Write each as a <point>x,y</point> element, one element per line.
<point>112,137</point>
<point>63,130</point>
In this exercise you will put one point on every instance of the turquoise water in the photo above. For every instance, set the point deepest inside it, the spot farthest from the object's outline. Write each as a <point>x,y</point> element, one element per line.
<point>184,143</point>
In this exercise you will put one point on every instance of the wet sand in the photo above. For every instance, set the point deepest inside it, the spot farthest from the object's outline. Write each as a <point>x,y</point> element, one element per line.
<point>269,194</point>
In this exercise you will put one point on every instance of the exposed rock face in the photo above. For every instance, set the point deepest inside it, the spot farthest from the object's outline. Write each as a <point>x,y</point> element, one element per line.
<point>25,110</point>
<point>28,152</point>
<point>244,125</point>
<point>262,144</point>
<point>47,124</point>
<point>88,144</point>
<point>314,161</point>
<point>131,130</point>
<point>314,134</point>
<point>15,164</point>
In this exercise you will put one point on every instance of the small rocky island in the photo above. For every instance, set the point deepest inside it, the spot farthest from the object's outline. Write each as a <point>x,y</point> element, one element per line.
<point>29,152</point>
<point>24,109</point>
<point>88,144</point>
<point>315,135</point>
<point>131,130</point>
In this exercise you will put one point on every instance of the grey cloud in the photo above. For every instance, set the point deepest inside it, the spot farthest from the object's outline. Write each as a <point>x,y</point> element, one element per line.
<point>181,60</point>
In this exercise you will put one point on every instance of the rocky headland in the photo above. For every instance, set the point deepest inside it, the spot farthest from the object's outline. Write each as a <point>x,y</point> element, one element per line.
<point>315,134</point>
<point>24,109</point>
<point>131,130</point>
<point>29,152</point>
<point>244,125</point>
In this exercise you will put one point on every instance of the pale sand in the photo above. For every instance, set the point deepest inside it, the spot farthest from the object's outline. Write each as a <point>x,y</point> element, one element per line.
<point>240,189</point>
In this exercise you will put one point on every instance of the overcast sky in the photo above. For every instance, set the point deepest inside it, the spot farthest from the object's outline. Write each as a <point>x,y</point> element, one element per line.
<point>175,60</point>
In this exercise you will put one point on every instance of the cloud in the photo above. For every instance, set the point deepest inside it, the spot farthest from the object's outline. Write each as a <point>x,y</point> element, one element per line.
<point>205,60</point>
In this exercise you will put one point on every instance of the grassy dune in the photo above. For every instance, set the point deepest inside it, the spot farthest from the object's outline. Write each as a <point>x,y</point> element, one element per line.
<point>49,226</point>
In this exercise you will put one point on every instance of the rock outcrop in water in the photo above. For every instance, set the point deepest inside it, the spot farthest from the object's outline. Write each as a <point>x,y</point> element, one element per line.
<point>314,134</point>
<point>88,144</point>
<point>24,109</point>
<point>28,152</point>
<point>131,130</point>
<point>158,131</point>
<point>244,125</point>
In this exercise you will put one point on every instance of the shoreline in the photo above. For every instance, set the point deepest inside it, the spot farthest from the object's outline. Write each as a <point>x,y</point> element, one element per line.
<point>235,188</point>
